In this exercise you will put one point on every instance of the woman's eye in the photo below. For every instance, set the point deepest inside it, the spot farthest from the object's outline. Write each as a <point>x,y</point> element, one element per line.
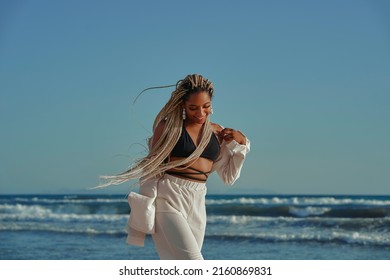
<point>205,107</point>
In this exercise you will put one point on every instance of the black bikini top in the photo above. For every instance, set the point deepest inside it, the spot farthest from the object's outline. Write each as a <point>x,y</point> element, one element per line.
<point>185,147</point>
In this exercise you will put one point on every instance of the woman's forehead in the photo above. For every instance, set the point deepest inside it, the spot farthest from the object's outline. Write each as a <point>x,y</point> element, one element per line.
<point>198,98</point>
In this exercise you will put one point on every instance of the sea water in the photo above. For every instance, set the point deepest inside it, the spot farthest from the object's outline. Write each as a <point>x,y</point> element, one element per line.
<point>267,227</point>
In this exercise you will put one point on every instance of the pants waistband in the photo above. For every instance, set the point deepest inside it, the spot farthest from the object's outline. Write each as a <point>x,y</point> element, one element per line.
<point>186,183</point>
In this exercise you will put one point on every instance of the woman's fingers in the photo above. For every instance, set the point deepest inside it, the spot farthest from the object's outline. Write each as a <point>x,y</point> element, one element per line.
<point>228,134</point>
<point>227,131</point>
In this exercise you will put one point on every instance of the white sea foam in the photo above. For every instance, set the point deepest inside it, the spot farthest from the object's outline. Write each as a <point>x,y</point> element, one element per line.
<point>296,224</point>
<point>362,238</point>
<point>20,209</point>
<point>235,219</point>
<point>309,211</point>
<point>70,199</point>
<point>325,236</point>
<point>25,212</point>
<point>51,228</point>
<point>301,201</point>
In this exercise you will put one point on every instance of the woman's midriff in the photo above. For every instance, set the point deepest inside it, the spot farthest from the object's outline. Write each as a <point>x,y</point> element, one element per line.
<point>201,164</point>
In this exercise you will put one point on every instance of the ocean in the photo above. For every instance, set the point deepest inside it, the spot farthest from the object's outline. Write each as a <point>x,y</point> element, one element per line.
<point>241,227</point>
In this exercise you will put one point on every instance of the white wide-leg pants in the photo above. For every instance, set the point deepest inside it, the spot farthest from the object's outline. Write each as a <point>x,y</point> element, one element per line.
<point>180,220</point>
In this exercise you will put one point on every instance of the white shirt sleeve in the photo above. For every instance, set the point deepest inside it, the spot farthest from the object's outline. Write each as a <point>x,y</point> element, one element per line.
<point>230,160</point>
<point>142,215</point>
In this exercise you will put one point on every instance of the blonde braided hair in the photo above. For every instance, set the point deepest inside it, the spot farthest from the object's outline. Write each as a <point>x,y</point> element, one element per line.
<point>154,164</point>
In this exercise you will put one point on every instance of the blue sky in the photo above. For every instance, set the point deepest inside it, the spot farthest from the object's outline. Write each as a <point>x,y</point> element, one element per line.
<point>306,81</point>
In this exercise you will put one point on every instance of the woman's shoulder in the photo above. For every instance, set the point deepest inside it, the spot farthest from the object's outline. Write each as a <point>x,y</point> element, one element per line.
<point>216,127</point>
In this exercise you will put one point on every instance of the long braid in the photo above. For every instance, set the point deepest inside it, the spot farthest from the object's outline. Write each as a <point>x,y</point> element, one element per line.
<point>154,164</point>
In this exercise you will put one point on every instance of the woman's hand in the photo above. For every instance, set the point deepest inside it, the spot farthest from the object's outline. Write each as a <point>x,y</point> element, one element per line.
<point>228,134</point>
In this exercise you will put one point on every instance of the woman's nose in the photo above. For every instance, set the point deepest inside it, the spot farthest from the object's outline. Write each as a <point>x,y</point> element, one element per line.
<point>201,112</point>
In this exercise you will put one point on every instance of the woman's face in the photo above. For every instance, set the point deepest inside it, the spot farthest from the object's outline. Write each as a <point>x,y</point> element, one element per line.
<point>198,107</point>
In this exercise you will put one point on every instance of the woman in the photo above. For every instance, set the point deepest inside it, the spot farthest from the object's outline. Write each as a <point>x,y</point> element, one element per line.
<point>184,149</point>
